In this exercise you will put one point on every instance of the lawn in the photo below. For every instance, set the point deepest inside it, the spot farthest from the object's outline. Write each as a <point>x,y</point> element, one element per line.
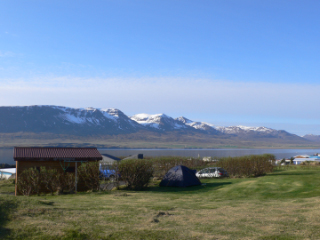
<point>281,205</point>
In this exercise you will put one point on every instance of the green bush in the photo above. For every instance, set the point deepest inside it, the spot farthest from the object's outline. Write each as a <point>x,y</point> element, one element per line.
<point>29,182</point>
<point>136,172</point>
<point>51,179</point>
<point>247,166</point>
<point>33,181</point>
<point>89,173</point>
<point>67,182</point>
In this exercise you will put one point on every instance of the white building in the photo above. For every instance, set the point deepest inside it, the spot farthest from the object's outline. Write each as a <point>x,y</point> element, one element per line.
<point>300,160</point>
<point>5,173</point>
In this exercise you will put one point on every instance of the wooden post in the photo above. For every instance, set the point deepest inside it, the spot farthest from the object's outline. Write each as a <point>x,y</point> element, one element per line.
<point>76,175</point>
<point>16,186</point>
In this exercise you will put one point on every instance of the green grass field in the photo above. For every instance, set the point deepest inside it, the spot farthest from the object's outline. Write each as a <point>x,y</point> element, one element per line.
<point>281,205</point>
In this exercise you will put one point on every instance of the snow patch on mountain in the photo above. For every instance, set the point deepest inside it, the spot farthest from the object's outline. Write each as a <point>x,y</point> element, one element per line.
<point>90,109</point>
<point>111,113</point>
<point>196,125</point>
<point>148,119</point>
<point>240,128</point>
<point>199,125</point>
<point>89,115</point>
<point>184,120</point>
<point>73,118</point>
<point>158,121</point>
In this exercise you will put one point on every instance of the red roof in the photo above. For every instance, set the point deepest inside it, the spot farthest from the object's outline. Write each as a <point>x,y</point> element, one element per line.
<point>55,153</point>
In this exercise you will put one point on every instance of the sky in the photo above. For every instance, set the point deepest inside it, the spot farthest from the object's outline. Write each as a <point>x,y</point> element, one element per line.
<point>225,62</point>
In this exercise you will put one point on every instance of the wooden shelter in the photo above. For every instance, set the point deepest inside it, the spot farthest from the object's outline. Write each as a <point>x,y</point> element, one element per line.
<point>59,158</point>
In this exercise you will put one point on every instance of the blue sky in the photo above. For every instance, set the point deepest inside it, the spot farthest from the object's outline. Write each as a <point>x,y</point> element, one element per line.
<point>235,62</point>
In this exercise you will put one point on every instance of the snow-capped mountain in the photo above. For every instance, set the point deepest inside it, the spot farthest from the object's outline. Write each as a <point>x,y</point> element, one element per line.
<point>94,121</point>
<point>243,129</point>
<point>65,120</point>
<point>198,125</point>
<point>158,121</point>
<point>312,137</point>
<point>245,132</point>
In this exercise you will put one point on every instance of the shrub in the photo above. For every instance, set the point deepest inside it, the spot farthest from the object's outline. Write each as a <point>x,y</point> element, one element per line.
<point>32,181</point>
<point>136,172</point>
<point>67,182</point>
<point>89,173</point>
<point>29,182</point>
<point>51,179</point>
<point>247,166</point>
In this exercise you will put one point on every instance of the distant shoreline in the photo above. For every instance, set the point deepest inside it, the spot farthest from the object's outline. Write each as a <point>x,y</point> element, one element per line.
<point>162,148</point>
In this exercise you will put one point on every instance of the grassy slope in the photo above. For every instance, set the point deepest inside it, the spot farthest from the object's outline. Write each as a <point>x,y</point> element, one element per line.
<point>143,140</point>
<point>282,205</point>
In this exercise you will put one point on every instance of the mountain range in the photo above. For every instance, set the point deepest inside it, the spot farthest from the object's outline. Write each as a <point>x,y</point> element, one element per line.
<point>113,122</point>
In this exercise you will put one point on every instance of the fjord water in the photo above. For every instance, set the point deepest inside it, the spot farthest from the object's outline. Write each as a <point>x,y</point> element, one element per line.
<point>6,155</point>
<point>279,153</point>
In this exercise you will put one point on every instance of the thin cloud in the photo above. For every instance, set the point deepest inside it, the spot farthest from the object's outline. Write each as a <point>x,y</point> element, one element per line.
<point>7,54</point>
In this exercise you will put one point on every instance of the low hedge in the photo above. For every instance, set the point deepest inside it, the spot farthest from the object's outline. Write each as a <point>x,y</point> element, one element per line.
<point>247,166</point>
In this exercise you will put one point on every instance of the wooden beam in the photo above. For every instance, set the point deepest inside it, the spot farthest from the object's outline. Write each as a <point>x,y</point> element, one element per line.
<point>76,175</point>
<point>16,181</point>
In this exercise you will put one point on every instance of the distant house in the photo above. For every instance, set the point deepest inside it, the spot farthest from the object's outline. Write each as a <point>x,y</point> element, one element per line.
<point>298,160</point>
<point>6,173</point>
<point>59,158</point>
<point>302,156</point>
<point>109,159</point>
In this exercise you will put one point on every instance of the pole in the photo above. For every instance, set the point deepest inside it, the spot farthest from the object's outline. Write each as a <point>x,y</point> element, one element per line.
<point>16,182</point>
<point>76,176</point>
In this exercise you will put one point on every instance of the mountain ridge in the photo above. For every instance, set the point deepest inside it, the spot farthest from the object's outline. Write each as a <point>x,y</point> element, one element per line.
<point>312,137</point>
<point>111,121</point>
